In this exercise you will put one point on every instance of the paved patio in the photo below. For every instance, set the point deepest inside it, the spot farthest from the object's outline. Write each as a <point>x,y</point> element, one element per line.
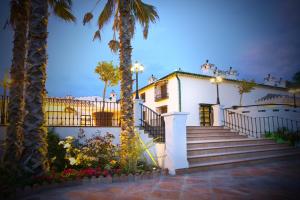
<point>276,180</point>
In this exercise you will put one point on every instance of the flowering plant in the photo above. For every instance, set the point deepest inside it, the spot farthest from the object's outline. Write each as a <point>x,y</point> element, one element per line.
<point>96,151</point>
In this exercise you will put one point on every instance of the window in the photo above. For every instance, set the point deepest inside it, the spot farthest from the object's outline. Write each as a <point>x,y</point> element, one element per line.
<point>85,120</point>
<point>161,91</point>
<point>143,96</point>
<point>162,109</point>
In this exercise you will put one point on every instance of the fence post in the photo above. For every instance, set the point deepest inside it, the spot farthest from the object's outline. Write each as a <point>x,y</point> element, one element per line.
<point>218,112</point>
<point>137,111</point>
<point>176,150</point>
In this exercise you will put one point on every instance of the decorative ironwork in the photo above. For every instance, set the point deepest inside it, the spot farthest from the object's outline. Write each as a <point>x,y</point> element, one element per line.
<point>73,112</point>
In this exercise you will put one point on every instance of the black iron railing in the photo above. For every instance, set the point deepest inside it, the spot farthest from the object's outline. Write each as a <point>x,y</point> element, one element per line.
<point>258,126</point>
<point>153,123</point>
<point>161,96</point>
<point>74,112</point>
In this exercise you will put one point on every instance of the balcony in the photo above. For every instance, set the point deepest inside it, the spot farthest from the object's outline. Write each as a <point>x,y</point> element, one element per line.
<point>161,96</point>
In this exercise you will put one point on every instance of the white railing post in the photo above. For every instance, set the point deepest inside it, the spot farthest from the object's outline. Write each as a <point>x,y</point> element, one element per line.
<point>218,112</point>
<point>137,110</point>
<point>176,147</point>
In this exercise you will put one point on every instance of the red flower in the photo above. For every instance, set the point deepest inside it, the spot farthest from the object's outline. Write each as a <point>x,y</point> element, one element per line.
<point>105,173</point>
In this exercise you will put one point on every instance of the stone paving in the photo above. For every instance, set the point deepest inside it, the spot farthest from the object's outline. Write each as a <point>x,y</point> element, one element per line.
<point>270,181</point>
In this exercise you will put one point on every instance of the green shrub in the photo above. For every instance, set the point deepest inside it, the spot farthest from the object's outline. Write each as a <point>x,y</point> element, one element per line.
<point>56,153</point>
<point>282,135</point>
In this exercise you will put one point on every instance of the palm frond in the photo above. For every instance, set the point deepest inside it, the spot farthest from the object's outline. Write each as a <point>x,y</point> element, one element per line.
<point>145,30</point>
<point>62,9</point>
<point>106,13</point>
<point>143,12</point>
<point>114,45</point>
<point>97,35</point>
<point>87,17</point>
<point>116,21</point>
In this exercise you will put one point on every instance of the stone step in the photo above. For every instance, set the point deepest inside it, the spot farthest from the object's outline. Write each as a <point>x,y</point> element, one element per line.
<point>231,148</point>
<point>210,131</point>
<point>238,162</point>
<point>214,157</point>
<point>219,143</point>
<point>211,134</point>
<point>197,138</point>
<point>206,128</point>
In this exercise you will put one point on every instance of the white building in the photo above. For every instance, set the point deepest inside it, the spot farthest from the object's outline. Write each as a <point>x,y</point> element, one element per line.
<point>194,93</point>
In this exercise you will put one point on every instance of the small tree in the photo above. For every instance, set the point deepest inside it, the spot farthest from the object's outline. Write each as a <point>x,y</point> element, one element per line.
<point>245,87</point>
<point>109,74</point>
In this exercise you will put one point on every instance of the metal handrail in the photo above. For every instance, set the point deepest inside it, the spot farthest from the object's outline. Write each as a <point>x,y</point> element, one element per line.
<point>258,126</point>
<point>153,123</point>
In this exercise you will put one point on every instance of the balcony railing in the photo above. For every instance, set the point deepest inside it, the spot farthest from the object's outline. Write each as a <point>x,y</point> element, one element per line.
<point>161,96</point>
<point>73,112</point>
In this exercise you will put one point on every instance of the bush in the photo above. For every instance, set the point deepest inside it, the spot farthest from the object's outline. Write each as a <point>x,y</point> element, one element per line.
<point>282,135</point>
<point>56,153</point>
<point>97,151</point>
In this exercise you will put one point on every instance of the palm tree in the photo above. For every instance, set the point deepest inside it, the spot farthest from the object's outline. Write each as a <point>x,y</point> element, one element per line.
<point>125,14</point>
<point>245,87</point>
<point>34,157</point>
<point>14,136</point>
<point>109,75</point>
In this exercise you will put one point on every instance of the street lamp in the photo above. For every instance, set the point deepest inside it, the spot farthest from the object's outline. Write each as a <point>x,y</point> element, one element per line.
<point>217,80</point>
<point>136,68</point>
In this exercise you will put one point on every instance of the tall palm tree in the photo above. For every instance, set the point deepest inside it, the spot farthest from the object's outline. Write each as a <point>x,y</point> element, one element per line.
<point>14,137</point>
<point>34,157</point>
<point>125,14</point>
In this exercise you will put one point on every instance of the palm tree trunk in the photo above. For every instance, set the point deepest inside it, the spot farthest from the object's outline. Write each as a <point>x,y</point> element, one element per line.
<point>127,125</point>
<point>104,93</point>
<point>34,158</point>
<point>14,135</point>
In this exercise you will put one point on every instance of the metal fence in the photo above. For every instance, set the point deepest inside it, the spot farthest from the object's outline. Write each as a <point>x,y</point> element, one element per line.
<point>258,126</point>
<point>73,112</point>
<point>153,123</point>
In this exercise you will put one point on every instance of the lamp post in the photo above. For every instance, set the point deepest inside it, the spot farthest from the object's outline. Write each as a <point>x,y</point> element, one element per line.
<point>217,80</point>
<point>137,68</point>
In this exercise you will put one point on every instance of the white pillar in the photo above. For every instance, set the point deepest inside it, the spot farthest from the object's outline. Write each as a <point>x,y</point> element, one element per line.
<point>176,147</point>
<point>218,115</point>
<point>137,112</point>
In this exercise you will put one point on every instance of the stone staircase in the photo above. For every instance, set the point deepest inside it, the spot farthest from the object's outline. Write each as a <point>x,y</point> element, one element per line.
<point>219,147</point>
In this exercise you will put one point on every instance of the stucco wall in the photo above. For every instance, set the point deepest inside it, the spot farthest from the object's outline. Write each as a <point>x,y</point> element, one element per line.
<point>171,102</point>
<point>196,91</point>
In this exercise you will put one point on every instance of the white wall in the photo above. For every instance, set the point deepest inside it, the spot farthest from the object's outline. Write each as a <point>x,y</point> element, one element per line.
<point>171,102</point>
<point>283,111</point>
<point>88,131</point>
<point>197,90</point>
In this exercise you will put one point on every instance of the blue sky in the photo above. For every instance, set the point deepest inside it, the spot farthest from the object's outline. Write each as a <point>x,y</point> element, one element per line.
<point>255,37</point>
